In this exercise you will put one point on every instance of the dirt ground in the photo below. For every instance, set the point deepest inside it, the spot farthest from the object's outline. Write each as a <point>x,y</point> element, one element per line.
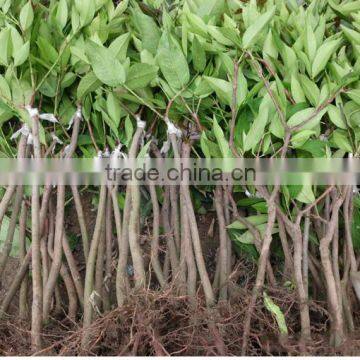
<point>162,323</point>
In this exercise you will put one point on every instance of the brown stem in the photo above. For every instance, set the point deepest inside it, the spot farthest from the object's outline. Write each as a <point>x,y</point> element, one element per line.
<point>223,259</point>
<point>90,268</point>
<point>108,252</point>
<point>337,319</point>
<point>81,219</point>
<point>23,296</point>
<point>155,238</point>
<point>74,271</point>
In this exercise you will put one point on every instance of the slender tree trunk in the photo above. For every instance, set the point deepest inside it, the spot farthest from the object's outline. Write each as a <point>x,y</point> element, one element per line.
<point>23,296</point>
<point>90,268</point>
<point>155,238</point>
<point>337,333</point>
<point>223,258</point>
<point>81,219</point>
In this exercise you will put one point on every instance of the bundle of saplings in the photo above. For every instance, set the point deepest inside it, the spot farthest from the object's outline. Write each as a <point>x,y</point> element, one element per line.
<point>179,79</point>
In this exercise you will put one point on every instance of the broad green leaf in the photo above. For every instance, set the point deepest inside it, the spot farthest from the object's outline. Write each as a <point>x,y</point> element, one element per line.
<point>113,108</point>
<point>26,16</point>
<point>306,195</point>
<point>172,62</point>
<point>247,237</point>
<point>269,46</point>
<point>68,80</point>
<point>110,122</point>
<point>352,35</point>
<point>301,137</point>
<point>303,115</point>
<point>323,55</point>
<point>5,46</point>
<point>335,117</point>
<point>149,31</point>
<point>16,39</point>
<point>87,84</point>
<point>354,95</point>
<point>296,90</point>
<point>257,128</point>
<point>310,89</point>
<point>4,88</point>
<point>341,140</point>
<point>142,153</point>
<point>310,42</point>
<point>140,75</point>
<point>120,45</point>
<point>275,310</point>
<point>120,8</point>
<point>346,8</point>
<point>204,145</point>
<point>107,69</point>
<point>129,130</point>
<point>3,233</point>
<point>217,35</point>
<point>62,14</point>
<point>222,88</point>
<point>253,31</point>
<point>221,141</point>
<point>198,55</point>
<point>21,54</point>
<point>197,25</point>
<point>242,88</point>
<point>47,52</point>
<point>86,10</point>
<point>254,220</point>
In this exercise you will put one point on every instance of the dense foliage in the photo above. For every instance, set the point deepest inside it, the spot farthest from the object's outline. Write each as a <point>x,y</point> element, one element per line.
<point>237,79</point>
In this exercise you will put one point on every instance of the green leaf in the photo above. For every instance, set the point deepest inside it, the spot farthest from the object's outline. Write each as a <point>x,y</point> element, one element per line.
<point>253,31</point>
<point>106,68</point>
<point>5,46</point>
<point>296,90</point>
<point>172,62</point>
<point>335,117</point>
<point>221,141</point>
<point>341,139</point>
<point>310,89</point>
<point>247,237</point>
<point>47,52</point>
<point>87,84</point>
<point>279,315</point>
<point>254,220</point>
<point>354,95</point>
<point>4,88</point>
<point>242,88</point>
<point>62,14</point>
<point>198,55</point>
<point>113,108</point>
<point>306,195</point>
<point>304,115</point>
<point>300,138</point>
<point>204,145</point>
<point>119,46</point>
<point>257,128</point>
<point>3,233</point>
<point>310,42</point>
<point>21,55</point>
<point>26,16</point>
<point>86,10</point>
<point>140,75</point>
<point>323,55</point>
<point>129,130</point>
<point>149,31</point>
<point>222,88</point>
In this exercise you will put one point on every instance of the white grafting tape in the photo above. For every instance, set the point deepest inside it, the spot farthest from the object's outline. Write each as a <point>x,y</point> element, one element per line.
<point>33,112</point>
